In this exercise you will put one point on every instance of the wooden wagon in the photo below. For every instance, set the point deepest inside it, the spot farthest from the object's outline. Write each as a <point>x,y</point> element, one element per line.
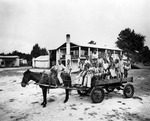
<point>96,91</point>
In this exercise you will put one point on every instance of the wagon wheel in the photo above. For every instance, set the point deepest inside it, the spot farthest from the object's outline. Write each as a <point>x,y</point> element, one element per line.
<point>97,95</point>
<point>109,89</point>
<point>128,91</point>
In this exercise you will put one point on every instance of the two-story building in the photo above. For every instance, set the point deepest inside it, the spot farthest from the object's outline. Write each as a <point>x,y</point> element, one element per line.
<point>76,52</point>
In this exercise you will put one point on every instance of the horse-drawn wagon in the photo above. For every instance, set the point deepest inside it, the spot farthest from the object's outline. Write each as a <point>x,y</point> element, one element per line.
<point>96,91</point>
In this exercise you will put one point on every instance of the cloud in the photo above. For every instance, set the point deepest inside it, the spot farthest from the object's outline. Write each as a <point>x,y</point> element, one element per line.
<point>27,22</point>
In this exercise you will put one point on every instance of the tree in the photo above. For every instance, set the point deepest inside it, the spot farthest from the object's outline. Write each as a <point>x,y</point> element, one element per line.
<point>146,54</point>
<point>44,51</point>
<point>21,55</point>
<point>130,42</point>
<point>37,51</point>
<point>2,53</point>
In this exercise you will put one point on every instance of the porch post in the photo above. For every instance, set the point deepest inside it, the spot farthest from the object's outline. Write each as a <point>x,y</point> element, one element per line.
<point>114,56</point>
<point>89,51</point>
<point>106,51</point>
<point>79,55</point>
<point>57,55</point>
<point>68,56</point>
<point>79,52</point>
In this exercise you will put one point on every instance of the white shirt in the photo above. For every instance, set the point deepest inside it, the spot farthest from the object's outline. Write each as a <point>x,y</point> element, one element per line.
<point>95,55</point>
<point>68,68</point>
<point>113,72</point>
<point>87,62</point>
<point>121,64</point>
<point>100,60</point>
<point>105,65</point>
<point>60,67</point>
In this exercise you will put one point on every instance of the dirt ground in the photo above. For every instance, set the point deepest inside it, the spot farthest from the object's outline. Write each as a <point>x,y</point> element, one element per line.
<point>23,104</point>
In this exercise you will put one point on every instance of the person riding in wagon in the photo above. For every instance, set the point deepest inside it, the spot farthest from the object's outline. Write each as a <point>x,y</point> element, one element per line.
<point>127,67</point>
<point>106,68</point>
<point>53,74</point>
<point>68,67</point>
<point>80,77</point>
<point>60,68</point>
<point>121,65</point>
<point>117,68</point>
<point>88,76</point>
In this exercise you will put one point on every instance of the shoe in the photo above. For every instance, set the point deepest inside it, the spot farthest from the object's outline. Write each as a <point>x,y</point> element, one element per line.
<point>61,85</point>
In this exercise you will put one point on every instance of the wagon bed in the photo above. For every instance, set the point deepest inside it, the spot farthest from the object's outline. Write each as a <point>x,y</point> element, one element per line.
<point>113,81</point>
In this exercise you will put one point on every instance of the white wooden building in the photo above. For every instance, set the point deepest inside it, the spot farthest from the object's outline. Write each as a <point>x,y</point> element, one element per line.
<point>9,61</point>
<point>41,62</point>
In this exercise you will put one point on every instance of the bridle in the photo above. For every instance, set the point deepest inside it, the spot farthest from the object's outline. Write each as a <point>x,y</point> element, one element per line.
<point>26,78</point>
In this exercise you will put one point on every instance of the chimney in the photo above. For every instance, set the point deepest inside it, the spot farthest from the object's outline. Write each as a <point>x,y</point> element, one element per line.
<point>68,44</point>
<point>68,56</point>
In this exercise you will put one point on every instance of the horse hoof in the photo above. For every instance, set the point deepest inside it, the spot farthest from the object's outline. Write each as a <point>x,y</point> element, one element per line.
<point>44,106</point>
<point>65,101</point>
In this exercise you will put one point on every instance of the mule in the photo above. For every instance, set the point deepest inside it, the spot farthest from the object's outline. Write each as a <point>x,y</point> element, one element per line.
<point>46,79</point>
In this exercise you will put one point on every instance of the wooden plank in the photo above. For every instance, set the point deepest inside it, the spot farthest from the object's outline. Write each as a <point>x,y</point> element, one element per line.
<point>113,81</point>
<point>128,79</point>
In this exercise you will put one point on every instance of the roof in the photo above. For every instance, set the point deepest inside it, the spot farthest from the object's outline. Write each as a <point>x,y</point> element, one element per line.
<point>43,57</point>
<point>8,57</point>
<point>91,46</point>
<point>97,46</point>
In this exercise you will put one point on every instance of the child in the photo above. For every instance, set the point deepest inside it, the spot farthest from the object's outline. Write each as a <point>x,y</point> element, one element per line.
<point>100,61</point>
<point>97,70</point>
<point>117,68</point>
<point>121,65</point>
<point>80,66</point>
<point>53,73</point>
<point>68,67</point>
<point>60,69</point>
<point>79,77</point>
<point>105,67</point>
<point>88,77</point>
<point>112,71</point>
<point>127,67</point>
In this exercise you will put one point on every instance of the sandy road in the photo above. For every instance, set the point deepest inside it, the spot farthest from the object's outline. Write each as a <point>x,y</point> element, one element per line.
<point>23,104</point>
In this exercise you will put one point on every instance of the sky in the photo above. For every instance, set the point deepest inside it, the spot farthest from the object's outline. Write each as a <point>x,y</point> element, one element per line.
<point>23,23</point>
